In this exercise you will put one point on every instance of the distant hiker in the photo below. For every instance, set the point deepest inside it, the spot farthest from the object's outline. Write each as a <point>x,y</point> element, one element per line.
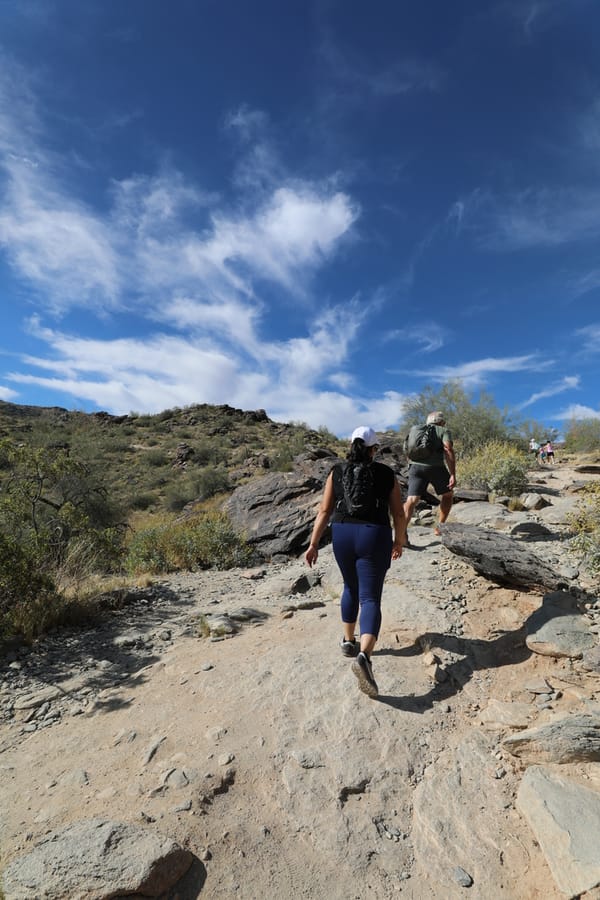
<point>431,454</point>
<point>549,451</point>
<point>359,497</point>
<point>533,447</point>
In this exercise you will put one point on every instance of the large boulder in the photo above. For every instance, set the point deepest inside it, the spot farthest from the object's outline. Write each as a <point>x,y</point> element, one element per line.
<point>97,859</point>
<point>276,512</point>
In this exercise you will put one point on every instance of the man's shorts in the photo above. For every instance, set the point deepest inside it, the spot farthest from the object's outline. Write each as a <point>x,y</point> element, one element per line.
<point>420,477</point>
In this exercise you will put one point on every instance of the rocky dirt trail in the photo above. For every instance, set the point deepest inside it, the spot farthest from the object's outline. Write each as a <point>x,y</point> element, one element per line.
<point>217,710</point>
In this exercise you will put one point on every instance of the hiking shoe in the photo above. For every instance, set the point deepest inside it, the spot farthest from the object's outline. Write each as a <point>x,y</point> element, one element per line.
<point>349,648</point>
<point>364,672</point>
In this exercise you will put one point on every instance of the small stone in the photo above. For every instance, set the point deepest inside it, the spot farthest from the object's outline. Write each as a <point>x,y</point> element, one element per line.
<point>461,877</point>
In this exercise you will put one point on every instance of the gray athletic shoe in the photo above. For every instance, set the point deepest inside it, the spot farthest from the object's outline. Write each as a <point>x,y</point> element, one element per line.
<point>363,670</point>
<point>349,648</point>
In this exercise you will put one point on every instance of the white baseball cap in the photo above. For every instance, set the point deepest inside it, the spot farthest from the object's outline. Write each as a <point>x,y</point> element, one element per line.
<point>366,434</point>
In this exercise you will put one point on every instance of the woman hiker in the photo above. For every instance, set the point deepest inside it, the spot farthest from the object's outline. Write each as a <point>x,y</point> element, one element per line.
<point>359,498</point>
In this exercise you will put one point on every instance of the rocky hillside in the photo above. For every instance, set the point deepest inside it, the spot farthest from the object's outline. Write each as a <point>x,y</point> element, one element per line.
<point>158,463</point>
<point>208,739</point>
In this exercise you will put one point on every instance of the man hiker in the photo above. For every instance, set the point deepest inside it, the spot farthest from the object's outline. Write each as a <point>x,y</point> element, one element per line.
<point>432,462</point>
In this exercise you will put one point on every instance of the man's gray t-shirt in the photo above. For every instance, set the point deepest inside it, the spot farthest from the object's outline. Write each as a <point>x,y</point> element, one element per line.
<point>438,458</point>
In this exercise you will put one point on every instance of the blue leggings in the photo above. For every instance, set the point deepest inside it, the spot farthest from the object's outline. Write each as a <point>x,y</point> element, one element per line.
<point>364,554</point>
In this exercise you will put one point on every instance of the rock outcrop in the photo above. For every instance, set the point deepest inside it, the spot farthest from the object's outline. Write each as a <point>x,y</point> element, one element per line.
<point>97,860</point>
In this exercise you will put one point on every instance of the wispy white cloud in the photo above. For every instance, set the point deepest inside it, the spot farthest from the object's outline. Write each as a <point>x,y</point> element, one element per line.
<point>179,259</point>
<point>542,218</point>
<point>532,217</point>
<point>161,371</point>
<point>590,338</point>
<point>425,337</point>
<point>475,373</point>
<point>402,76</point>
<point>7,393</point>
<point>568,383</point>
<point>578,411</point>
<point>534,16</point>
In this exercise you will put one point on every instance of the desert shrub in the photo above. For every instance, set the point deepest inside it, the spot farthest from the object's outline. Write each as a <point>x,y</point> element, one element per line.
<point>585,523</point>
<point>142,501</point>
<point>498,467</point>
<point>204,542</point>
<point>155,458</point>
<point>209,453</point>
<point>282,459</point>
<point>199,486</point>
<point>211,481</point>
<point>583,435</point>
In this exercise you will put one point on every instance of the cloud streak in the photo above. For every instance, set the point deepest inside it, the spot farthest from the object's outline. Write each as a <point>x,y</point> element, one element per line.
<point>475,373</point>
<point>568,383</point>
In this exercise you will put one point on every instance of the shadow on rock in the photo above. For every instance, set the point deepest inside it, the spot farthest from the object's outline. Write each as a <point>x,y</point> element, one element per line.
<point>507,649</point>
<point>191,885</point>
<point>557,629</point>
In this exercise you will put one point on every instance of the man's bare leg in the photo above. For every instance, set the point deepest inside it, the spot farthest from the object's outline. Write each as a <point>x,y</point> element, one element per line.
<point>409,508</point>
<point>445,507</point>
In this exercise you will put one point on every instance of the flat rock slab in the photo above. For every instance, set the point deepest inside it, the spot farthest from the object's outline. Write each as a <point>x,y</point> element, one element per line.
<point>454,826</point>
<point>558,629</point>
<point>566,740</point>
<point>97,860</point>
<point>499,557</point>
<point>500,714</point>
<point>565,819</point>
<point>591,660</point>
<point>479,512</point>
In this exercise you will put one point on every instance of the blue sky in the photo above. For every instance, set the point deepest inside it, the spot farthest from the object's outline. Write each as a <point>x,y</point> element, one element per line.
<point>312,207</point>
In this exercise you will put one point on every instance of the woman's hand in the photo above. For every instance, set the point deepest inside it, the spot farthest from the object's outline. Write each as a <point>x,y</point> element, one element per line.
<point>396,550</point>
<point>311,555</point>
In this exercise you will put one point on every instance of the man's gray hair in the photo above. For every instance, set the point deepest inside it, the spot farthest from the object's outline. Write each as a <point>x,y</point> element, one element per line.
<point>436,418</point>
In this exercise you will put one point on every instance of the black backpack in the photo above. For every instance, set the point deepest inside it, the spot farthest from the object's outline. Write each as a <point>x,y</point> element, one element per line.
<point>422,442</point>
<point>359,490</point>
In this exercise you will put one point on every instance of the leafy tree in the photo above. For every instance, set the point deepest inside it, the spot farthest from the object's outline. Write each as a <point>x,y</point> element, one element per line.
<point>472,423</point>
<point>47,499</point>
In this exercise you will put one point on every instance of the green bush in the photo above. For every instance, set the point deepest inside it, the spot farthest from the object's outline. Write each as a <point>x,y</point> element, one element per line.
<point>56,527</point>
<point>585,523</point>
<point>29,601</point>
<point>204,542</point>
<point>199,486</point>
<point>498,467</point>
